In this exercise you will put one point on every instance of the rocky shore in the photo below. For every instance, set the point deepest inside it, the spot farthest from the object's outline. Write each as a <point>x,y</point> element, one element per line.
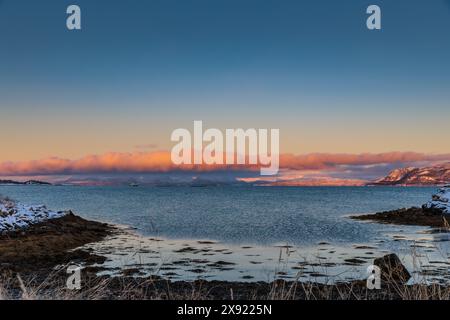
<point>408,216</point>
<point>16,216</point>
<point>440,201</point>
<point>37,244</point>
<point>41,246</point>
<point>435,213</point>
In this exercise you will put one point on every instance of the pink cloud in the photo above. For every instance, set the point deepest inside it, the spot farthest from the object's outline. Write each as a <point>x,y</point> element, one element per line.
<point>159,161</point>
<point>316,161</point>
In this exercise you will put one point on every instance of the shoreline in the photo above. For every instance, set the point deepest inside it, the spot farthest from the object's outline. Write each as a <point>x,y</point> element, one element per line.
<point>40,252</point>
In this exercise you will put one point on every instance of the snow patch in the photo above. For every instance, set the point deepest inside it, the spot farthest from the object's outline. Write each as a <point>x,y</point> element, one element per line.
<point>15,216</point>
<point>440,200</point>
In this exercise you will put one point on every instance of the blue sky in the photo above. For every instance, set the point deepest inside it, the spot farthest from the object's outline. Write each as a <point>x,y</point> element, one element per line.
<point>139,69</point>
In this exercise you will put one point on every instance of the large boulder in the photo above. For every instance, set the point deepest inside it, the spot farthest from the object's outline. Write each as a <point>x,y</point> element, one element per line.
<point>440,202</point>
<point>392,269</point>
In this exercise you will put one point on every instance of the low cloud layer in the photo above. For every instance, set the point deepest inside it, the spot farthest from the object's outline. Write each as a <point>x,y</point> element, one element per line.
<point>142,162</point>
<point>320,161</point>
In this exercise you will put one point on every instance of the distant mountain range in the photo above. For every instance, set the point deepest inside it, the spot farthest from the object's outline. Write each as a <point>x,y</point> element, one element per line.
<point>29,182</point>
<point>412,176</point>
<point>435,175</point>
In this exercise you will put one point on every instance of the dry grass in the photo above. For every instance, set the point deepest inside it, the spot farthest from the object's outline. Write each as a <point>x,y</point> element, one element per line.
<point>286,291</point>
<point>53,287</point>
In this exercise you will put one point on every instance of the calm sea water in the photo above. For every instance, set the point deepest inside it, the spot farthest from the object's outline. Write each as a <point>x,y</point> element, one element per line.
<point>235,215</point>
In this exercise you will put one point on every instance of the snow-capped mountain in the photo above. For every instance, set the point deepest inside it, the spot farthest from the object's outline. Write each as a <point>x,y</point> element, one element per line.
<point>435,175</point>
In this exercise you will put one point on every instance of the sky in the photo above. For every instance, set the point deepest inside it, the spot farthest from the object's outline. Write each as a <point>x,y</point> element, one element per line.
<point>140,69</point>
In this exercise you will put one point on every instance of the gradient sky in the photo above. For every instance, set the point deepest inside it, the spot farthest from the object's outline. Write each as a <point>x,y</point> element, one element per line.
<point>139,69</point>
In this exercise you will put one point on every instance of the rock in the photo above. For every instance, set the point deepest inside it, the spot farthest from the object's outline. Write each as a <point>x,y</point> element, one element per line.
<point>392,269</point>
<point>15,216</point>
<point>411,216</point>
<point>440,202</point>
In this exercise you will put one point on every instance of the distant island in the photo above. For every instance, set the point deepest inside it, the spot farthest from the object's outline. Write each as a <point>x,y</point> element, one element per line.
<point>29,182</point>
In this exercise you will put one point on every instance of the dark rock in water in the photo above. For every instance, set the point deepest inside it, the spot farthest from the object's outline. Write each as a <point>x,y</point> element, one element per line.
<point>131,272</point>
<point>354,262</point>
<point>392,269</point>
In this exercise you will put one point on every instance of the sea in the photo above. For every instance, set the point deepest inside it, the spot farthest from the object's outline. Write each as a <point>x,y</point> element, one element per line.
<point>249,233</point>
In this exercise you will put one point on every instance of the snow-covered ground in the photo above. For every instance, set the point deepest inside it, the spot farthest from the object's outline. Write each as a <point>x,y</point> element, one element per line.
<point>440,200</point>
<point>15,216</point>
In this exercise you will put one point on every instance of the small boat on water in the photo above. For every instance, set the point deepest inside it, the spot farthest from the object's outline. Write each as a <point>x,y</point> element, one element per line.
<point>133,184</point>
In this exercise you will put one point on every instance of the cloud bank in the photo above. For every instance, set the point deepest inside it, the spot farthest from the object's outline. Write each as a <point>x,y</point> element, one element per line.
<point>159,161</point>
